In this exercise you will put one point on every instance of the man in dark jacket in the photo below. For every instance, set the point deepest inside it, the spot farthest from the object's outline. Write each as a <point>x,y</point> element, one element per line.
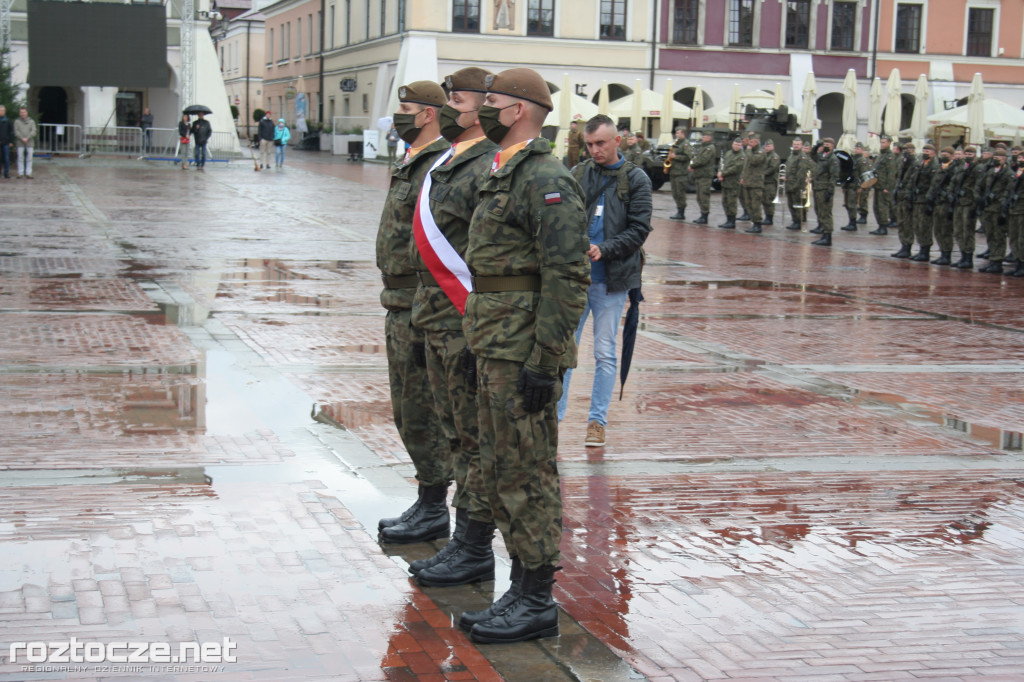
<point>265,131</point>
<point>618,196</point>
<point>201,132</point>
<point>6,141</point>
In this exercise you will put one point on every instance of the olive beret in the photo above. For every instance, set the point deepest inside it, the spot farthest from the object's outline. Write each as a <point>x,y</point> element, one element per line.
<point>423,92</point>
<point>948,150</point>
<point>970,148</point>
<point>1000,152</point>
<point>828,140</point>
<point>928,145</point>
<point>469,79</point>
<point>521,83</point>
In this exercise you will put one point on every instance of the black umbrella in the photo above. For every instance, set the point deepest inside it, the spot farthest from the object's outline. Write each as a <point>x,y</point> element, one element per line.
<point>629,336</point>
<point>194,109</point>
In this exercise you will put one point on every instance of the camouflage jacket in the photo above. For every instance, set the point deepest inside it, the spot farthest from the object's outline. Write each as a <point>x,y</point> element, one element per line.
<point>966,184</point>
<point>681,164</point>
<point>825,173</point>
<point>530,221</point>
<point>732,166</point>
<point>771,171</point>
<point>997,187</point>
<point>395,232</point>
<point>905,177</point>
<point>1016,199</point>
<point>453,197</point>
<point>923,179</point>
<point>886,168</point>
<point>754,162</point>
<point>635,155</point>
<point>703,161</point>
<point>981,174</point>
<point>941,184</point>
<point>861,165</point>
<point>797,167</point>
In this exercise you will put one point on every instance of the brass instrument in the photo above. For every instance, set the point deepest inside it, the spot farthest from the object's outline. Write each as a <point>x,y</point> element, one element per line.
<point>808,191</point>
<point>781,185</point>
<point>668,163</point>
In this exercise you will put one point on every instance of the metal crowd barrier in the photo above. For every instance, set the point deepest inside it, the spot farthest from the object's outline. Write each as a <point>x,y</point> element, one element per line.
<point>59,139</point>
<point>156,143</point>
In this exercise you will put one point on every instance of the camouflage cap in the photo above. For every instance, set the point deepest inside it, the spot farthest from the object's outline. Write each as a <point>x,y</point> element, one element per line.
<point>986,150</point>
<point>521,83</point>
<point>737,140</point>
<point>859,145</point>
<point>948,150</point>
<point>769,142</point>
<point>423,92</point>
<point>908,145</point>
<point>885,137</point>
<point>469,79</point>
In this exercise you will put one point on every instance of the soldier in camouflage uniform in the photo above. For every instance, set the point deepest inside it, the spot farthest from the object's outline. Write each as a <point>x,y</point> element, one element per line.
<point>528,255</point>
<point>411,400</point>
<point>703,166</point>
<point>904,199</point>
<point>922,218</point>
<point>1016,215</point>
<point>634,152</point>
<point>963,201</point>
<point>437,312</point>
<point>996,191</point>
<point>851,189</point>
<point>729,176</point>
<point>886,166</point>
<point>938,206</point>
<point>864,195</point>
<point>575,144</point>
<point>979,191</point>
<point>771,182</point>
<point>752,180</point>
<point>824,177</point>
<point>798,166</point>
<point>679,173</point>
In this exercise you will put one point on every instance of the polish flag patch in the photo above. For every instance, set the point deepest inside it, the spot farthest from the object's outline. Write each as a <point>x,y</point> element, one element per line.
<point>552,198</point>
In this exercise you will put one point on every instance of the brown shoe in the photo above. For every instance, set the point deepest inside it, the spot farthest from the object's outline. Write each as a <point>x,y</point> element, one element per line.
<point>595,435</point>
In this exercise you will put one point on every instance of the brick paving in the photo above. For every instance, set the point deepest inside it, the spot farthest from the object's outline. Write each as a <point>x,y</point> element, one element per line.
<point>815,472</point>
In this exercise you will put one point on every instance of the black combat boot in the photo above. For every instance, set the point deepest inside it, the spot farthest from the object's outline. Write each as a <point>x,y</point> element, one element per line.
<point>863,219</point>
<point>826,240</point>
<point>817,230</point>
<point>745,216</point>
<point>430,521</point>
<point>754,229</point>
<point>470,618</point>
<point>768,220</point>
<point>904,251</point>
<point>532,615</point>
<point>677,216</point>
<point>943,258</point>
<point>730,222</point>
<point>852,225</point>
<point>461,519</point>
<point>395,520</point>
<point>1019,272</point>
<point>882,230</point>
<point>966,261</point>
<point>795,225</point>
<point>922,255</point>
<point>471,562</point>
<point>702,220</point>
<point>984,254</point>
<point>994,267</point>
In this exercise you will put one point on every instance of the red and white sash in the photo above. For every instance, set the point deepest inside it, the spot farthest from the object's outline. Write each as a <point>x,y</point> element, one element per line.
<point>443,261</point>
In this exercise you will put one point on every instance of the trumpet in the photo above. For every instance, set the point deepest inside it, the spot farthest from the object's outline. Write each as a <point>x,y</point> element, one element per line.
<point>808,191</point>
<point>781,184</point>
<point>667,164</point>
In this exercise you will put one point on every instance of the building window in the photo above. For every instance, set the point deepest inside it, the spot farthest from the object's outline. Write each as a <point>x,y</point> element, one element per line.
<point>466,16</point>
<point>798,23</point>
<point>844,21</point>
<point>286,40</point>
<point>270,52</point>
<point>348,22</point>
<point>684,22</point>
<point>741,22</point>
<point>613,19</point>
<point>298,37</point>
<point>540,18</point>
<point>908,28</point>
<point>331,17</point>
<point>383,17</point>
<point>309,29</point>
<point>979,32</point>
<point>400,12</point>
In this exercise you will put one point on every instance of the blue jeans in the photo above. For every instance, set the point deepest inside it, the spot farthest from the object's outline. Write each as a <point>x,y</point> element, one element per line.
<point>607,309</point>
<point>5,159</point>
<point>200,156</point>
<point>279,155</point>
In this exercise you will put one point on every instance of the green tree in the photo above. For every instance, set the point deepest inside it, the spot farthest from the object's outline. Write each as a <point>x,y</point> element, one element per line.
<point>8,89</point>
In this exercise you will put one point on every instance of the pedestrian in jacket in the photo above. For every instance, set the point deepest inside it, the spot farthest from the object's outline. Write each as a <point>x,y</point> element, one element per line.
<point>281,137</point>
<point>618,196</point>
<point>6,141</point>
<point>265,130</point>
<point>201,132</point>
<point>25,142</point>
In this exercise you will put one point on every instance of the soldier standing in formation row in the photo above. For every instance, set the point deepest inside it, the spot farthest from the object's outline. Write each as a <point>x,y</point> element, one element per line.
<point>679,173</point>
<point>729,176</point>
<point>824,178</point>
<point>1015,215</point>
<point>965,179</point>
<point>771,182</point>
<point>994,192</point>
<point>938,207</point>
<point>752,181</point>
<point>798,170</point>
<point>903,198</point>
<point>886,169</point>
<point>703,166</point>
<point>920,216</point>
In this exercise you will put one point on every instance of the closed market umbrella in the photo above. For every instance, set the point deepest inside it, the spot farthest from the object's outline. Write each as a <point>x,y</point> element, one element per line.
<point>849,137</point>
<point>602,99</point>
<point>808,119</point>
<point>698,107</point>
<point>636,118</point>
<point>734,108</point>
<point>629,327</point>
<point>893,105</point>
<point>877,99</point>
<point>919,121</point>
<point>665,137</point>
<point>564,117</point>
<point>777,99</point>
<point>976,111</point>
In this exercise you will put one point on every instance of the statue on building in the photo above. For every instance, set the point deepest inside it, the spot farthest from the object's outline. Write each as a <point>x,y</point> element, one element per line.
<point>504,14</point>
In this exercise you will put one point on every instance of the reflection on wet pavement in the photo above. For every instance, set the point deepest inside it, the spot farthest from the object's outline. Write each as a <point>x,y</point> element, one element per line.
<point>815,471</point>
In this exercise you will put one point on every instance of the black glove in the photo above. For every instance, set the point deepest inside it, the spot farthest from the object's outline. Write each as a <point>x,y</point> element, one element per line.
<point>538,389</point>
<point>468,361</point>
<point>419,353</point>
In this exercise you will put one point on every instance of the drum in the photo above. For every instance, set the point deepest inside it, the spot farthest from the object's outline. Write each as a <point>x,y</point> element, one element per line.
<point>868,179</point>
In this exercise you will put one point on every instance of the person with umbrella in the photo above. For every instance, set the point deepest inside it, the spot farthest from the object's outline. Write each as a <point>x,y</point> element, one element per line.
<point>201,132</point>
<point>618,201</point>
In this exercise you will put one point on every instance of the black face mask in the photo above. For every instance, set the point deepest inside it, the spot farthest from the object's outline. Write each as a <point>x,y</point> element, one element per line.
<point>494,129</point>
<point>449,120</point>
<point>406,126</point>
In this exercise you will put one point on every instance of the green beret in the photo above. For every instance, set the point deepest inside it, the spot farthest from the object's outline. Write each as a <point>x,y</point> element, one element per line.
<point>469,79</point>
<point>928,146</point>
<point>521,83</point>
<point>1000,152</point>
<point>423,92</point>
<point>828,140</point>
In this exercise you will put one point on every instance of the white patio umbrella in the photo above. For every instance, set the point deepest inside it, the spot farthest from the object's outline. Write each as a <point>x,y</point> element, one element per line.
<point>976,112</point>
<point>602,99</point>
<point>734,107</point>
<point>893,104</point>
<point>808,119</point>
<point>564,116</point>
<point>698,107</point>
<point>636,118</point>
<point>580,109</point>
<point>877,99</point>
<point>849,137</point>
<point>998,119</point>
<point>919,121</point>
<point>665,136</point>
<point>777,101</point>
<point>645,104</point>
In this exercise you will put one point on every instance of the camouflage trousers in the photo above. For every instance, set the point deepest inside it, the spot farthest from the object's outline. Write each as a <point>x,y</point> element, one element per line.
<point>755,197</point>
<point>922,224</point>
<point>730,196</point>
<point>883,207</point>
<point>851,200</point>
<point>455,399</point>
<point>964,220</point>
<point>518,457</point>
<point>703,194</point>
<point>744,198</point>
<point>768,201</point>
<point>417,422</point>
<point>863,202</point>
<point>796,205</point>
<point>679,183</point>
<point>995,233</point>
<point>823,209</point>
<point>1016,229</point>
<point>942,227</point>
<point>905,212</point>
